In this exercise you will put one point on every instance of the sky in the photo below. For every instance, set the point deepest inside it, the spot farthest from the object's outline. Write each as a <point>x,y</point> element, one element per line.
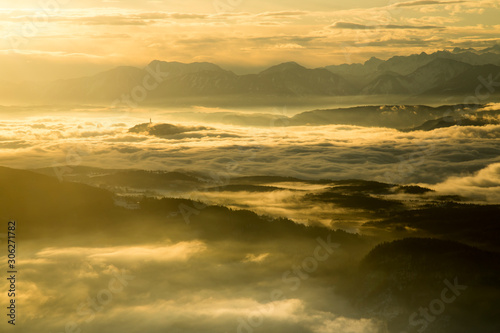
<point>56,39</point>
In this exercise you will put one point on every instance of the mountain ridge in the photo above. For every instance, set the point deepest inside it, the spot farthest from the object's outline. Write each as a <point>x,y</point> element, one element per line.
<point>440,73</point>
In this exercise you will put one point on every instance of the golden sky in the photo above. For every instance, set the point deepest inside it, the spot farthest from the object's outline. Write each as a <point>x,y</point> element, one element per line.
<point>52,39</point>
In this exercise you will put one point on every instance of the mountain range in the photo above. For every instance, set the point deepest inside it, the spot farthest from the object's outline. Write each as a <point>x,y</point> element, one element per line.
<point>442,73</point>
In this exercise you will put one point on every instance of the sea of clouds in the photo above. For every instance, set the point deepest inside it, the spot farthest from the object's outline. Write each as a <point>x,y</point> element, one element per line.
<point>458,159</point>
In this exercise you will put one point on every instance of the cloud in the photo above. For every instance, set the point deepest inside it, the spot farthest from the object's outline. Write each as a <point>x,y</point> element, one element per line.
<point>119,18</point>
<point>282,14</point>
<point>139,287</point>
<point>342,324</point>
<point>256,258</point>
<point>425,3</point>
<point>397,42</point>
<point>355,26</point>
<point>289,46</point>
<point>111,20</point>
<point>331,151</point>
<point>111,36</point>
<point>187,16</point>
<point>483,185</point>
<point>282,202</point>
<point>148,253</point>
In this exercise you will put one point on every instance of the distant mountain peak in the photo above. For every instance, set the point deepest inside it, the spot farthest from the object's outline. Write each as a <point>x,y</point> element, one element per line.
<point>460,50</point>
<point>286,66</point>
<point>442,61</point>
<point>195,66</point>
<point>373,61</point>
<point>290,64</point>
<point>494,49</point>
